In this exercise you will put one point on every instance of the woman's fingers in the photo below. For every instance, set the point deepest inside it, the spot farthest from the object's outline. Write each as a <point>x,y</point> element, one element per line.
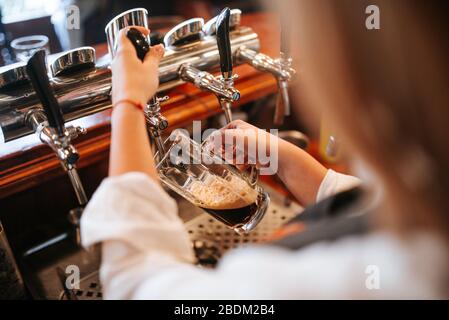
<point>124,44</point>
<point>155,55</point>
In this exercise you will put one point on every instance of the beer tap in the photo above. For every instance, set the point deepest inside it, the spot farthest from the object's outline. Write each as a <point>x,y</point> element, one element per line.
<point>49,126</point>
<point>156,122</point>
<point>281,68</point>
<point>192,30</point>
<point>224,49</point>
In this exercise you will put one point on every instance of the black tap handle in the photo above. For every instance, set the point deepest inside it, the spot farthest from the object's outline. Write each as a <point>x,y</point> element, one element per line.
<point>37,73</point>
<point>139,41</point>
<point>224,43</point>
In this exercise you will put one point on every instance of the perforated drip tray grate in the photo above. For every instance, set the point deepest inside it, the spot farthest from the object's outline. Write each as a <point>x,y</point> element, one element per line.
<point>210,239</point>
<point>89,289</point>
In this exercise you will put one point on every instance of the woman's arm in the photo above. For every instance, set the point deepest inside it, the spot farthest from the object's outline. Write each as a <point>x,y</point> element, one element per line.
<point>300,172</point>
<point>136,81</point>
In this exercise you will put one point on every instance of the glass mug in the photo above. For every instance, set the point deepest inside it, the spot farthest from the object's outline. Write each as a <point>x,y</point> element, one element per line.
<point>208,182</point>
<point>24,47</point>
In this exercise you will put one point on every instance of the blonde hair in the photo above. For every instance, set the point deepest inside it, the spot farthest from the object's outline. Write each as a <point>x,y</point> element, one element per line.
<point>386,91</point>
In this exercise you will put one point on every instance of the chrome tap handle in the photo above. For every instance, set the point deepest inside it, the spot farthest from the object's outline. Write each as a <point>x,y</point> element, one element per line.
<point>206,81</point>
<point>37,73</point>
<point>279,68</point>
<point>224,43</point>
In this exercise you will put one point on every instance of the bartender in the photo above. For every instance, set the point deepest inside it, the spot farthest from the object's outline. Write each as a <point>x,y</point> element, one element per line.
<point>146,251</point>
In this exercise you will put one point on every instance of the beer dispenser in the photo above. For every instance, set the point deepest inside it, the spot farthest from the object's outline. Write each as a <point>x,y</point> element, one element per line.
<point>191,31</point>
<point>48,124</point>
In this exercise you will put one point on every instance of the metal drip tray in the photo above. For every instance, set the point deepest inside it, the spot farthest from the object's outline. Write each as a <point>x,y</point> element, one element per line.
<point>89,289</point>
<point>210,238</point>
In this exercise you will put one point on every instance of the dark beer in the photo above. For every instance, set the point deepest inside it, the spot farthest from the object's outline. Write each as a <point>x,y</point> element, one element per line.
<point>233,217</point>
<point>231,201</point>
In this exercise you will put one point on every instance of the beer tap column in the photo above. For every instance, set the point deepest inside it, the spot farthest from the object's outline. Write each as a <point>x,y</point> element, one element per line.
<point>223,86</point>
<point>49,126</point>
<point>224,49</point>
<point>280,68</point>
<point>156,122</point>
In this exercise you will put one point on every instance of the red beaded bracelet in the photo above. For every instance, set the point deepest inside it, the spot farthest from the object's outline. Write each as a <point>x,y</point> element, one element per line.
<point>137,105</point>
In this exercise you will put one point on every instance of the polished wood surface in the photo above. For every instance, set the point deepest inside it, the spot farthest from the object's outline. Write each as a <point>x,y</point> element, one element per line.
<point>26,163</point>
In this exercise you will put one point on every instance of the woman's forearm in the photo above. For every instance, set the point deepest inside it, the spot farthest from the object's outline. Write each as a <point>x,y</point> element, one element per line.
<point>130,147</point>
<point>300,172</point>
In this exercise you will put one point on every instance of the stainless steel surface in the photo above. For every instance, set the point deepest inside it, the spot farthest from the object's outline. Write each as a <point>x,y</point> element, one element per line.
<point>14,74</point>
<point>61,146</point>
<point>133,17</point>
<point>206,81</point>
<point>226,106</point>
<point>83,57</point>
<point>183,34</point>
<point>74,217</point>
<point>86,92</point>
<point>264,63</point>
<point>222,87</point>
<point>217,239</point>
<point>280,68</point>
<point>282,103</point>
<point>156,122</point>
<point>209,28</point>
<point>77,185</point>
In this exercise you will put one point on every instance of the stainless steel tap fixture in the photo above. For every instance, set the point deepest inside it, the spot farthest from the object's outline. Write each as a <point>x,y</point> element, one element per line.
<point>48,123</point>
<point>210,27</point>
<point>156,122</point>
<point>133,17</point>
<point>222,29</point>
<point>280,68</point>
<point>191,31</point>
<point>72,60</point>
<point>85,90</point>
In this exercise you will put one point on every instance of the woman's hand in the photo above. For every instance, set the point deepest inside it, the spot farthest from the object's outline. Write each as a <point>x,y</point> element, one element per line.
<point>244,144</point>
<point>137,81</point>
<point>131,78</point>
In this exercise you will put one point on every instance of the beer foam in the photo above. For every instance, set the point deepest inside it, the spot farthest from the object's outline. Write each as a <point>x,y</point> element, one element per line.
<point>219,194</point>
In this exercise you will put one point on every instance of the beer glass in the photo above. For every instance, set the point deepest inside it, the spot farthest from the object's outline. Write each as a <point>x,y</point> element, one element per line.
<point>207,181</point>
<point>25,47</point>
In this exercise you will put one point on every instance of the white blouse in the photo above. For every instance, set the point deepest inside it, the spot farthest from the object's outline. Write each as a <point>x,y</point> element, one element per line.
<point>147,254</point>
